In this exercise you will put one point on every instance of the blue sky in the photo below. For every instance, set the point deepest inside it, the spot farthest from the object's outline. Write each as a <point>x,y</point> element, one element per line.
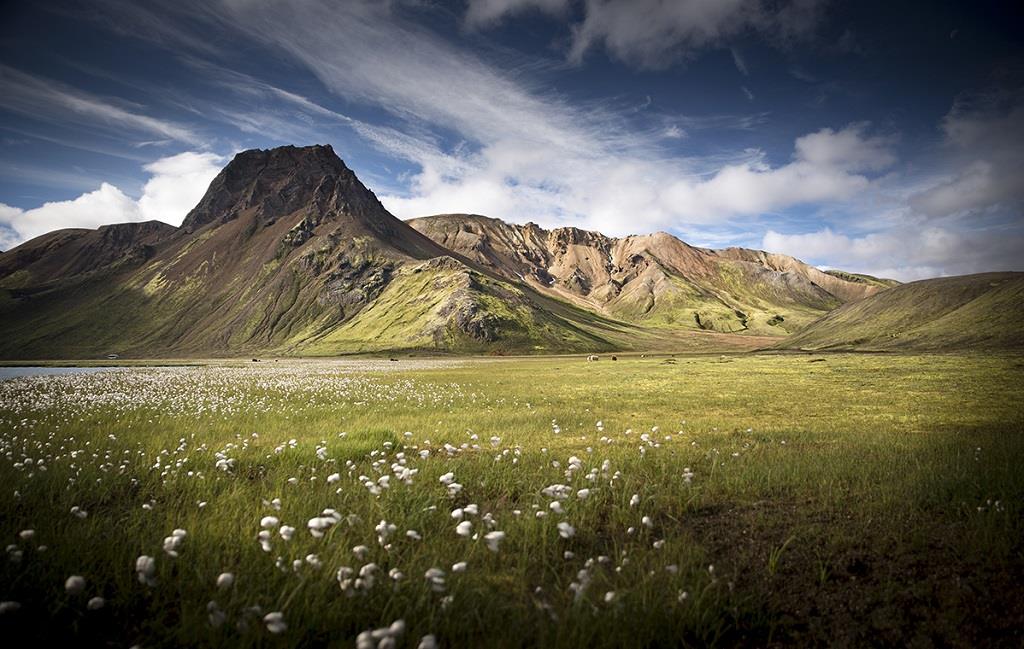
<point>873,136</point>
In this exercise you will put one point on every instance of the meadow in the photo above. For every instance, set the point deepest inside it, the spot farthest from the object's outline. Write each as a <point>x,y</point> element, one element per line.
<point>688,500</point>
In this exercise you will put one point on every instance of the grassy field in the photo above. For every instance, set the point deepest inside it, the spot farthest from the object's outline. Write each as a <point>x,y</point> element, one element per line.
<point>848,500</point>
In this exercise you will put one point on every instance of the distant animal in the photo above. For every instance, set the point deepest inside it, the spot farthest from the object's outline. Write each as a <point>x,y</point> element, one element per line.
<point>593,357</point>
<point>615,358</point>
<point>393,359</point>
<point>255,360</point>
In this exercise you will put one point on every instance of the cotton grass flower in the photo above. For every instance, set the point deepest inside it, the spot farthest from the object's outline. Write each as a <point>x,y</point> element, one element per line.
<point>96,603</point>
<point>269,522</point>
<point>275,622</point>
<point>9,606</point>
<point>494,539</point>
<point>174,542</point>
<point>565,530</point>
<point>145,569</point>
<point>225,580</point>
<point>460,566</point>
<point>465,528</point>
<point>427,642</point>
<point>74,585</point>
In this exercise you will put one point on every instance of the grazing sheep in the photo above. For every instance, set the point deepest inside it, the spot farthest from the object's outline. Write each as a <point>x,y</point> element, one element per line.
<point>592,357</point>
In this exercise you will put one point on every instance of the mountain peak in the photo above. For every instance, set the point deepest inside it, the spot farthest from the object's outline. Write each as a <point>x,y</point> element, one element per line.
<point>280,181</point>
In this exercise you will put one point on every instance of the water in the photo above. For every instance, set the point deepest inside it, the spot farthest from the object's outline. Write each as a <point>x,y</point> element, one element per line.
<point>15,372</point>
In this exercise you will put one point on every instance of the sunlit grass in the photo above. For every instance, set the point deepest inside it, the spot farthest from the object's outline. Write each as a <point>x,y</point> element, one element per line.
<point>775,494</point>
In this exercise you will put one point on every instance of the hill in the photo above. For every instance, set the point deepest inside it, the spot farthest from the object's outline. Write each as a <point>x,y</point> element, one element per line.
<point>983,311</point>
<point>654,280</point>
<point>286,253</point>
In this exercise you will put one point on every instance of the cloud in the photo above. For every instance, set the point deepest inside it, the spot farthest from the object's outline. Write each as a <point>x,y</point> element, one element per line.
<point>487,13</point>
<point>51,101</point>
<point>906,253</point>
<point>741,64</point>
<point>984,142</point>
<point>175,186</point>
<point>658,33</point>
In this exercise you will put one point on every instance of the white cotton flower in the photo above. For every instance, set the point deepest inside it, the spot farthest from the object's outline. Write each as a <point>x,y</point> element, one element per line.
<point>74,585</point>
<point>494,539</point>
<point>26,535</point>
<point>609,597</point>
<point>145,567</point>
<point>435,576</point>
<point>225,580</point>
<point>565,530</point>
<point>286,532</point>
<point>457,513</point>
<point>269,522</point>
<point>471,509</point>
<point>583,494</point>
<point>647,522</point>
<point>465,528</point>
<point>96,603</point>
<point>447,478</point>
<point>360,551</point>
<point>460,566</point>
<point>334,477</point>
<point>634,500</point>
<point>413,534</point>
<point>427,642</point>
<point>9,606</point>
<point>275,622</point>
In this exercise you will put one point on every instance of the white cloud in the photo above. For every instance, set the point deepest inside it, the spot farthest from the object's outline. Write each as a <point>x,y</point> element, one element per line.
<point>485,13</point>
<point>984,138</point>
<point>175,186</point>
<point>657,33</point>
<point>905,253</point>
<point>741,64</point>
<point>52,101</point>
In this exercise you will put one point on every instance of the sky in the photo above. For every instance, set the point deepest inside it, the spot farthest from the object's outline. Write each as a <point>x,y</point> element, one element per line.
<point>877,137</point>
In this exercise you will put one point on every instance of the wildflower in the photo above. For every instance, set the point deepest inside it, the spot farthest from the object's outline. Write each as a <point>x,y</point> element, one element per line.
<point>287,532</point>
<point>78,512</point>
<point>465,528</point>
<point>275,622</point>
<point>609,597</point>
<point>413,534</point>
<point>635,500</point>
<point>10,607</point>
<point>556,507</point>
<point>435,576</point>
<point>145,568</point>
<point>457,513</point>
<point>215,615</point>
<point>74,585</point>
<point>225,580</point>
<point>493,539</point>
<point>460,566</point>
<point>26,535</point>
<point>583,494</point>
<point>173,542</point>
<point>647,522</point>
<point>360,551</point>
<point>427,642</point>
<point>447,478</point>
<point>269,522</point>
<point>96,603</point>
<point>334,477</point>
<point>565,530</point>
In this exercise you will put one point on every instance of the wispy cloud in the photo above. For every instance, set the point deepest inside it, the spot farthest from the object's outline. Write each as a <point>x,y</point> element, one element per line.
<point>43,99</point>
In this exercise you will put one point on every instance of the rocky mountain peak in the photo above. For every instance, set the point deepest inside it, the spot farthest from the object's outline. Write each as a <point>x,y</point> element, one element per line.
<point>281,181</point>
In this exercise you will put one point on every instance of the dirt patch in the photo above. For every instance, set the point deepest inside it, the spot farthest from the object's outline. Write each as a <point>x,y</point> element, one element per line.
<point>822,579</point>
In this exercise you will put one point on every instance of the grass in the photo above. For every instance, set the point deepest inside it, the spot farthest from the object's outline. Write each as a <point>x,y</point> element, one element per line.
<point>791,500</point>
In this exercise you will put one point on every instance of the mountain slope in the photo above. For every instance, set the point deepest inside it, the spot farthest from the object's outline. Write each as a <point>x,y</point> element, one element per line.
<point>655,280</point>
<point>982,311</point>
<point>287,253</point>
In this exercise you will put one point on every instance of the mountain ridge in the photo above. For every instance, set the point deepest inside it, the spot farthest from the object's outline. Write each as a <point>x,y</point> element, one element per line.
<point>289,253</point>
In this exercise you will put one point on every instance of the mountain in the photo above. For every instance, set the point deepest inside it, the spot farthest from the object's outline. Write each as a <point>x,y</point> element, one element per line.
<point>286,253</point>
<point>982,311</point>
<point>654,280</point>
